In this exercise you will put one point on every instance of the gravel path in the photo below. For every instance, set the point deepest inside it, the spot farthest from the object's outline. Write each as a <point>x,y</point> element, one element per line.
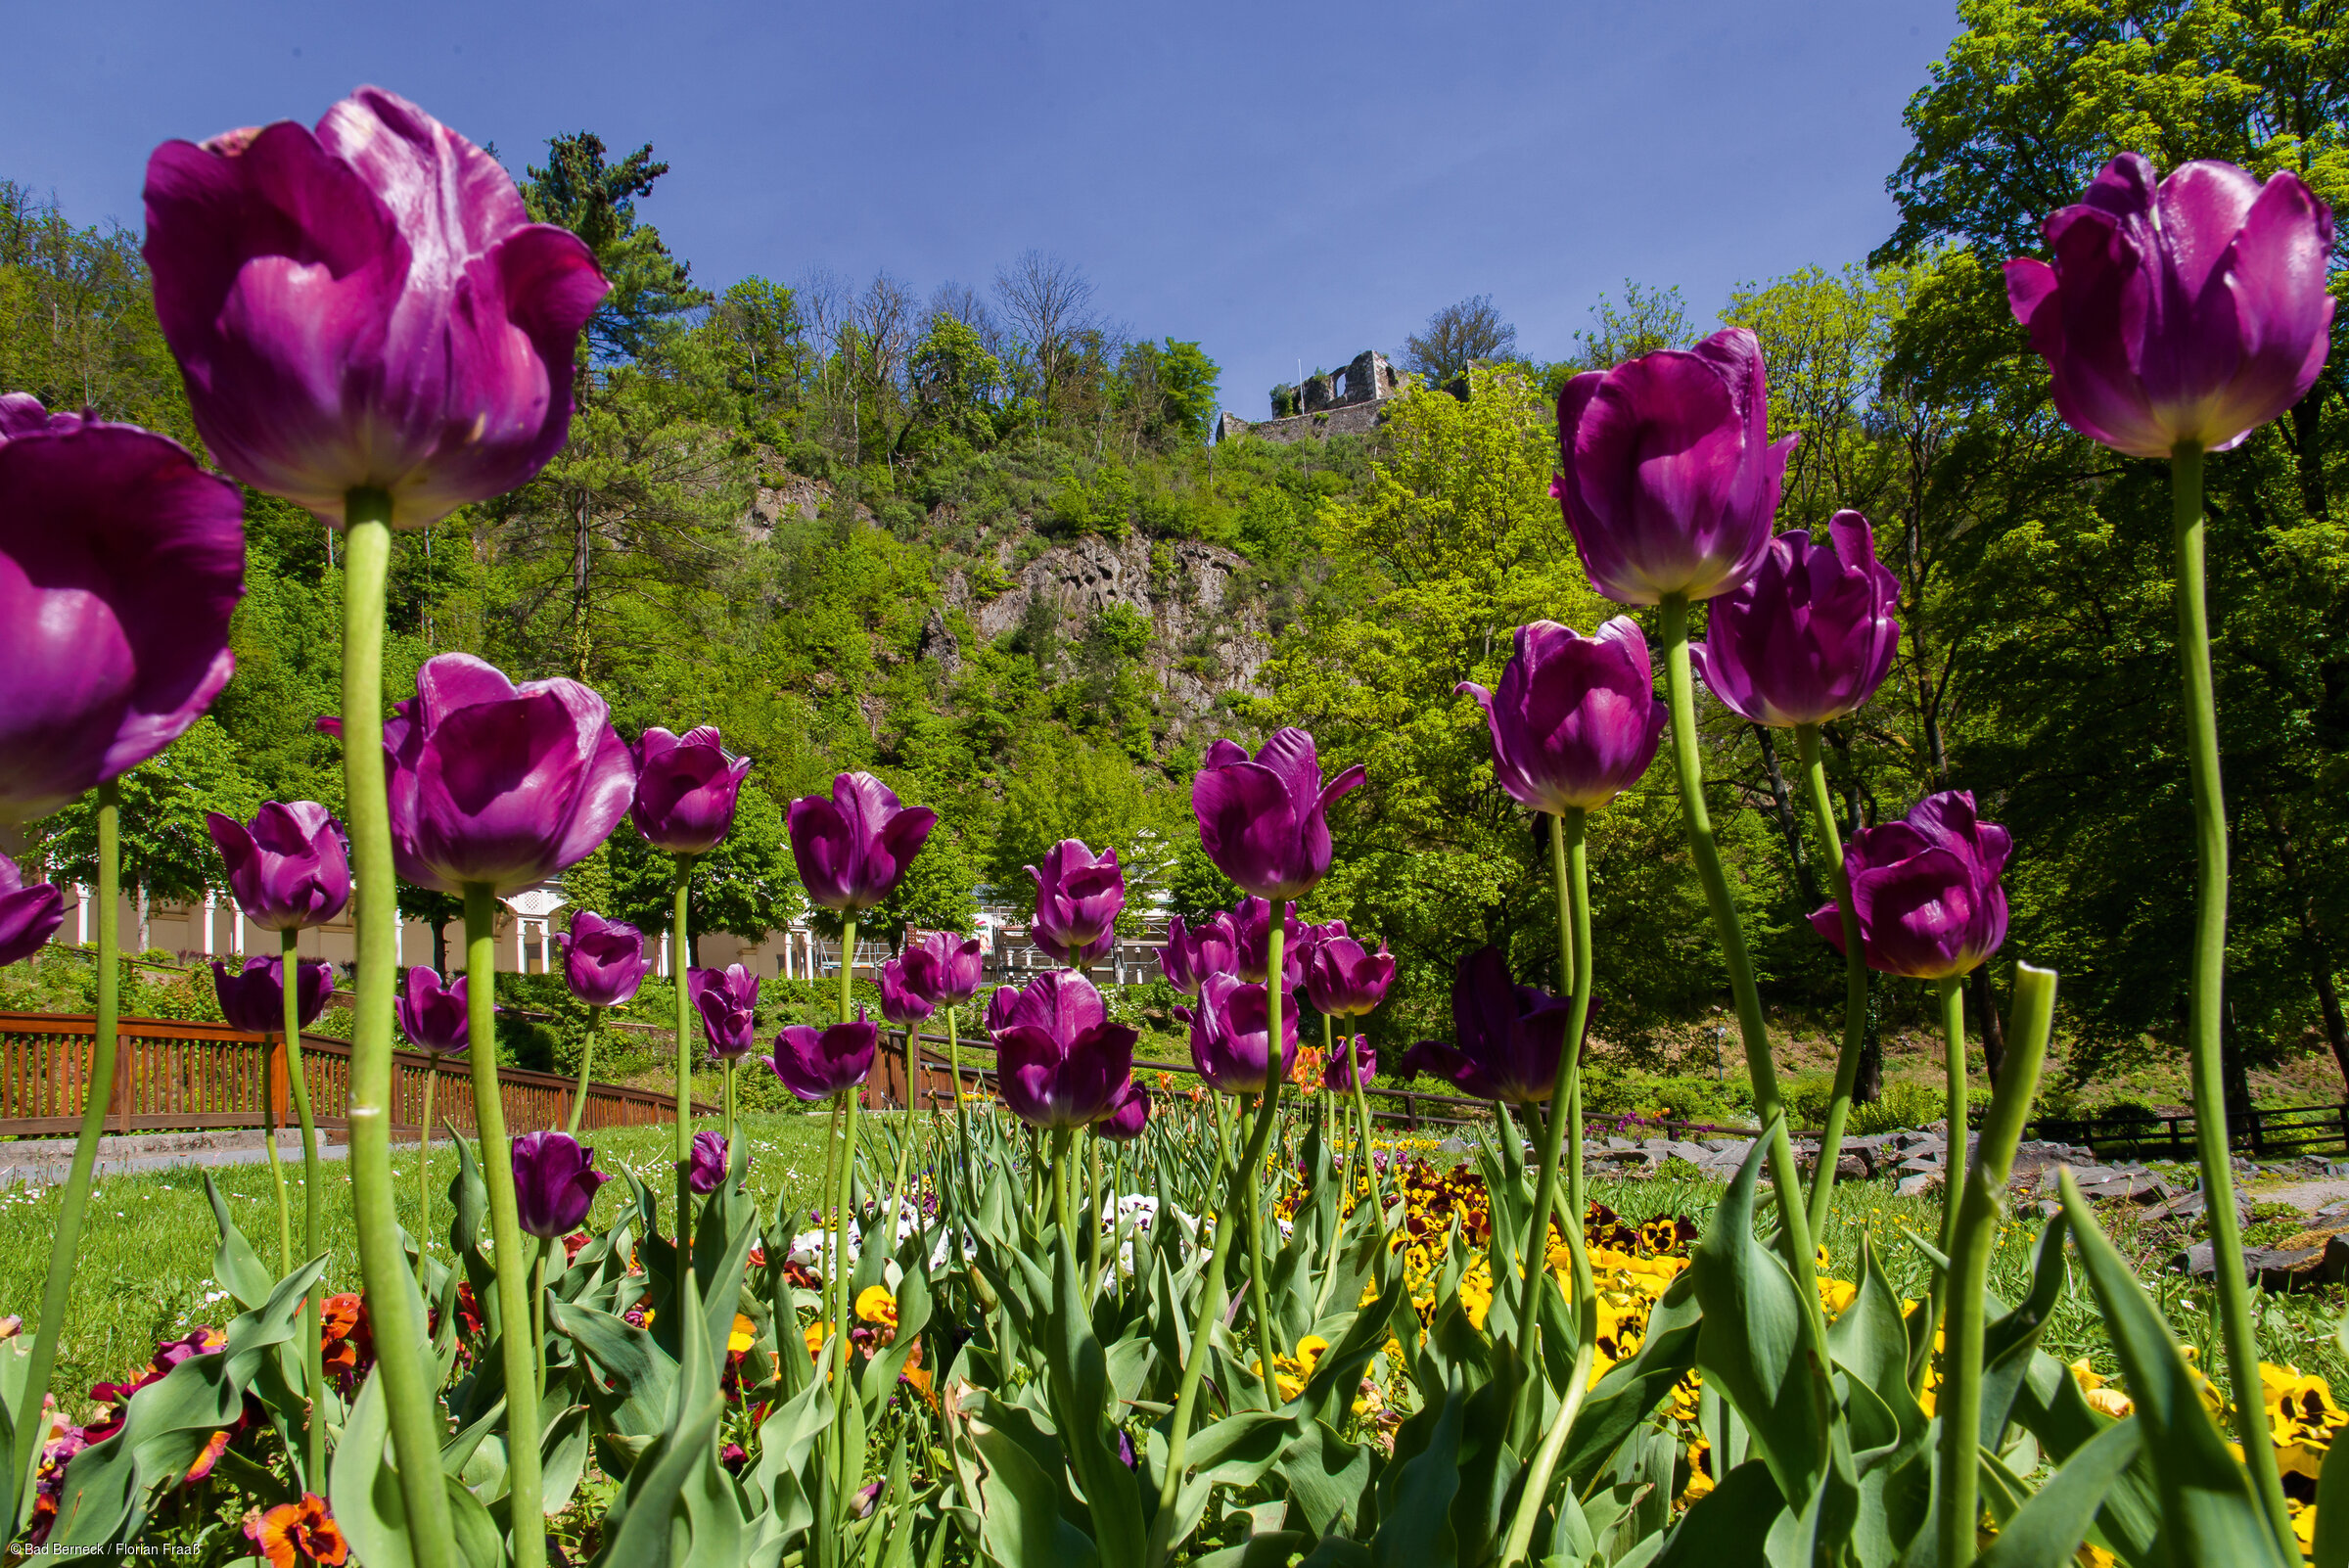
<point>44,1162</point>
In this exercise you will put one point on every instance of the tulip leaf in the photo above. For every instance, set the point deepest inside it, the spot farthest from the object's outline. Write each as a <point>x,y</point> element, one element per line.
<point>2009,1342</point>
<point>2207,1507</point>
<point>678,1508</point>
<point>642,1377</point>
<point>168,1423</point>
<point>1416,1497</point>
<point>1325,1477</point>
<point>1753,1340</point>
<point>563,1459</point>
<point>2046,1531</point>
<point>1080,1376</point>
<point>1021,1524</point>
<point>1624,1397</point>
<point>235,1265</point>
<point>1729,1526</point>
<point>2332,1547</point>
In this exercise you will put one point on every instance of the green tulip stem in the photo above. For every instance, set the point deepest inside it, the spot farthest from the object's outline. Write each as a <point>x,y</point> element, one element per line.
<point>963,1113</point>
<point>1976,1237</point>
<point>1362,1113</point>
<point>842,1459</point>
<point>1794,1234</point>
<point>1553,1444</point>
<point>1062,1177</point>
<point>31,1428</point>
<point>1573,874</point>
<point>1211,1312</point>
<point>394,1308</point>
<point>505,1225</point>
<point>312,1182</point>
<point>578,1098</point>
<point>2205,987</point>
<point>1092,1206</point>
<point>831,1184</point>
<point>277,1168</point>
<point>1855,977</point>
<point>1260,1304</point>
<point>728,1071</point>
<point>679,953</point>
<point>539,1250</point>
<point>424,1158</point>
<point>1951,994</point>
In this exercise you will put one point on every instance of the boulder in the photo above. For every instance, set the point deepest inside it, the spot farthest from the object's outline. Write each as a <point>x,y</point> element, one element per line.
<point>1917,1185</point>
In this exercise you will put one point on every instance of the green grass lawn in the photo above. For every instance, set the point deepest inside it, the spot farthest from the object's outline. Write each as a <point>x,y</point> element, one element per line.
<point>146,1265</point>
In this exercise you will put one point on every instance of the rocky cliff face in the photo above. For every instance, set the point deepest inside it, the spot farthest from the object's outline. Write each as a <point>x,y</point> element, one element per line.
<point>1208,633</point>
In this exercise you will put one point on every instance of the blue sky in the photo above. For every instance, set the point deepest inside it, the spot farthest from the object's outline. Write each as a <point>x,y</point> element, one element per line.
<point>1282,182</point>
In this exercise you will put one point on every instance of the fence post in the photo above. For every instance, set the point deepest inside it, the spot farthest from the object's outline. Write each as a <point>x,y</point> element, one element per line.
<point>279,1102</point>
<point>119,1092</point>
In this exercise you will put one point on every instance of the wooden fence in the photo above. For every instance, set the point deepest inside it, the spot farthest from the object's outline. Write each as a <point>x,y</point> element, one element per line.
<point>2274,1130</point>
<point>182,1076</point>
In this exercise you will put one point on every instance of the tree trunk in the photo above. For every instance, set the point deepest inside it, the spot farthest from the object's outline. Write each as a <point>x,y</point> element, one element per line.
<point>1784,810</point>
<point>440,948</point>
<point>2311,941</point>
<point>1984,999</point>
<point>583,539</point>
<point>146,939</point>
<point>2309,454</point>
<point>1868,1086</point>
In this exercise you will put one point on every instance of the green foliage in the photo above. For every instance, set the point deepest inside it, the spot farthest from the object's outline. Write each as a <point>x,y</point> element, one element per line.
<point>166,849</point>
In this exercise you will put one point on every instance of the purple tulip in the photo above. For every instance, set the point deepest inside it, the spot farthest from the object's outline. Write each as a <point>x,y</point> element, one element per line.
<point>430,1014</point>
<point>604,961</point>
<point>1354,1064</point>
<point>1811,635</point>
<point>253,999</point>
<point>854,848</point>
<point>942,968</point>
<point>1667,473</point>
<point>1194,953</point>
<point>1231,1035</point>
<point>708,1163</point>
<point>368,305</point>
<point>554,1183</point>
<point>900,1003</point>
<point>726,999</point>
<point>2191,312</point>
<point>685,790</point>
<point>496,783</point>
<point>1576,720</point>
<point>1252,944</point>
<point>1060,1062</point>
<point>28,916</point>
<point>999,1010</point>
<point>1077,903</point>
<point>1346,980</point>
<point>1262,821</point>
<point>817,1064</point>
<point>1926,890</point>
<point>119,563</point>
<point>1129,1114</point>
<point>1509,1037</point>
<point>288,870</point>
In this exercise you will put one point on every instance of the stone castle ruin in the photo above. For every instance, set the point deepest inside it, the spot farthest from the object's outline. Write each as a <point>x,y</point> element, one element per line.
<point>1346,402</point>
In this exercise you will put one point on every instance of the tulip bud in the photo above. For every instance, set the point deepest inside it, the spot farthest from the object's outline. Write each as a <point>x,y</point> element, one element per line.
<point>1667,473</point>
<point>1925,890</point>
<point>1060,1062</point>
<point>28,916</point>
<point>2188,311</point>
<point>1194,953</point>
<point>686,788</point>
<point>1078,898</point>
<point>253,999</point>
<point>121,561</point>
<point>1262,821</point>
<point>942,968</point>
<point>554,1183</point>
<point>604,961</point>
<point>817,1064</point>
<point>1576,720</point>
<point>433,1015</point>
<point>288,870</point>
<point>855,848</point>
<point>727,1001</point>
<point>1809,636</point>
<point>366,306</point>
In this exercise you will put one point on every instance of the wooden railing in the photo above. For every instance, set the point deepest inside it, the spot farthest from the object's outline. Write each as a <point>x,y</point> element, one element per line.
<point>171,1076</point>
